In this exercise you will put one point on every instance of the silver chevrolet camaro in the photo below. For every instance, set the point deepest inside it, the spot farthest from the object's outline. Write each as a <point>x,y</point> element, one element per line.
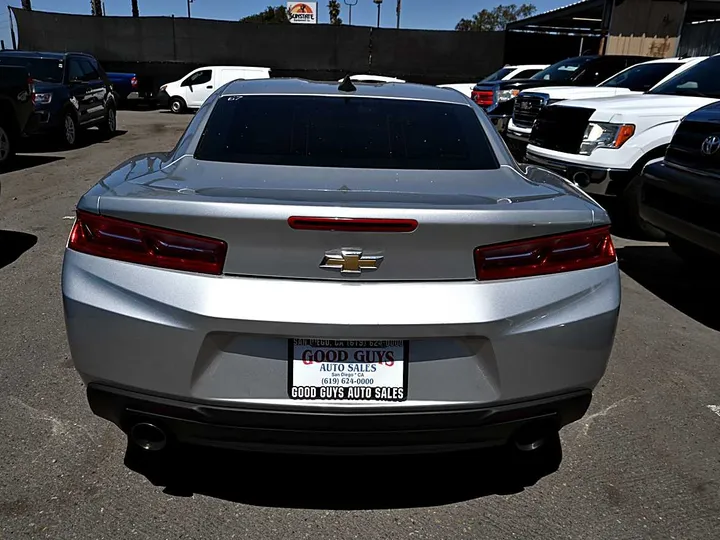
<point>324,267</point>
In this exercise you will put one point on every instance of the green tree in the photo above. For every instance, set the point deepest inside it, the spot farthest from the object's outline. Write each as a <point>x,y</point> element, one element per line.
<point>27,4</point>
<point>96,8</point>
<point>334,9</point>
<point>271,15</point>
<point>135,8</point>
<point>495,19</point>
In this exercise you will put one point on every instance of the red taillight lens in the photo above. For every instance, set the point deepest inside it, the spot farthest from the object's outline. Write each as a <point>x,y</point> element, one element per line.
<point>547,255</point>
<point>482,97</point>
<point>352,224</point>
<point>133,82</point>
<point>143,244</point>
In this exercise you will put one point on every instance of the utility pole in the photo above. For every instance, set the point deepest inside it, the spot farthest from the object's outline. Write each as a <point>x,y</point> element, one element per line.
<point>12,29</point>
<point>379,4</point>
<point>188,4</point>
<point>397,10</point>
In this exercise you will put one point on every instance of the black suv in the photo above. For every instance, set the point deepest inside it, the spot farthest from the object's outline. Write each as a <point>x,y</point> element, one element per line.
<point>498,97</point>
<point>680,194</point>
<point>71,92</point>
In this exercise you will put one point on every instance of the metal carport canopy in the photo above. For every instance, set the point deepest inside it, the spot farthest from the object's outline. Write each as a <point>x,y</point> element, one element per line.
<point>580,18</point>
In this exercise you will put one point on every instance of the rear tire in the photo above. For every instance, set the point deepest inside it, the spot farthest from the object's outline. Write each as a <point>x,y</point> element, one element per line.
<point>8,145</point>
<point>178,105</point>
<point>629,217</point>
<point>69,130</point>
<point>109,125</point>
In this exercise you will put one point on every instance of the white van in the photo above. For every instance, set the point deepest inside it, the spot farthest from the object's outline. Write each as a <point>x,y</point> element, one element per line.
<point>191,91</point>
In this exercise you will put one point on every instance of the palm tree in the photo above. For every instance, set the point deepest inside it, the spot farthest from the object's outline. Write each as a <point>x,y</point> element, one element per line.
<point>27,4</point>
<point>135,8</point>
<point>334,9</point>
<point>96,7</point>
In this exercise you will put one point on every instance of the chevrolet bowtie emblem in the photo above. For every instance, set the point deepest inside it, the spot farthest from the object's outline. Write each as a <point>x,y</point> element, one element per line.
<point>350,261</point>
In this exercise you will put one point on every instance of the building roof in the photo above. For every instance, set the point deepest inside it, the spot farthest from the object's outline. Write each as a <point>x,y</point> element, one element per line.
<point>581,17</point>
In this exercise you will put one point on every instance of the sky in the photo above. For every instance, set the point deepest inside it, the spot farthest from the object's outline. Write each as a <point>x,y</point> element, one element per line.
<point>425,14</point>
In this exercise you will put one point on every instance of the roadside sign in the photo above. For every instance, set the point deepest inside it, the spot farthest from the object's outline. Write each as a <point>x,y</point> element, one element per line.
<point>302,12</point>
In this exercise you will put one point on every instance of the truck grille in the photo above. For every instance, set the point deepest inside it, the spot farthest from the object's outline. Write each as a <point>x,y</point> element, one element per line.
<point>560,128</point>
<point>685,147</point>
<point>527,109</point>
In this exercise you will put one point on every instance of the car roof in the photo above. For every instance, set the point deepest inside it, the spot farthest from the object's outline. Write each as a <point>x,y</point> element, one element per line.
<point>674,60</point>
<point>282,86</point>
<point>36,54</point>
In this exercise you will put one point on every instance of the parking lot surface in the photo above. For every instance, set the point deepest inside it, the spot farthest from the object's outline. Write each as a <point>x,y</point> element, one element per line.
<point>643,463</point>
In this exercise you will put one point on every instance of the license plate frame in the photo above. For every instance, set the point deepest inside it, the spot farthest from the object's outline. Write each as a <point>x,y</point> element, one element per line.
<point>344,344</point>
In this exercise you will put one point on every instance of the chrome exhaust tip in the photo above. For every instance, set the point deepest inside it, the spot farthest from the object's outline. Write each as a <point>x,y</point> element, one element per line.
<point>148,437</point>
<point>533,437</point>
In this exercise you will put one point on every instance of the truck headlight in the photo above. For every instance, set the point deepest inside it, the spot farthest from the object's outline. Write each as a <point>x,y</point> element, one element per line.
<point>604,135</point>
<point>43,99</point>
<point>504,95</point>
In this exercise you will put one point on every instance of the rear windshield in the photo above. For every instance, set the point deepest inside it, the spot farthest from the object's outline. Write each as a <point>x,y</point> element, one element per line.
<point>41,69</point>
<point>642,77</point>
<point>562,71</point>
<point>349,132</point>
<point>499,74</point>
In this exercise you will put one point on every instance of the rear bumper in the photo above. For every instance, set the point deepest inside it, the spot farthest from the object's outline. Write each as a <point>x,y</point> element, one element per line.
<point>682,203</point>
<point>598,181</point>
<point>209,424</point>
<point>225,339</point>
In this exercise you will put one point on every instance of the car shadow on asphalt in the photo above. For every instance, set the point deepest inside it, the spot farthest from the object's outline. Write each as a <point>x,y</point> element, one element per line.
<point>45,143</point>
<point>665,275</point>
<point>21,162</point>
<point>363,482</point>
<point>13,244</point>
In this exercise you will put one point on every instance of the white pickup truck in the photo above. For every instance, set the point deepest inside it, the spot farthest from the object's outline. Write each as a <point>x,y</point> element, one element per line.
<point>602,144</point>
<point>633,80</point>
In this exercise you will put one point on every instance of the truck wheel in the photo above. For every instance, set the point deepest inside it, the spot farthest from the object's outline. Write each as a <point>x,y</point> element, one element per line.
<point>177,105</point>
<point>630,214</point>
<point>69,130</point>
<point>109,125</point>
<point>7,146</point>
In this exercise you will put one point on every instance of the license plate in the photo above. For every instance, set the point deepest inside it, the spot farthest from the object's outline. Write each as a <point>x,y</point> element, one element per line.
<point>330,370</point>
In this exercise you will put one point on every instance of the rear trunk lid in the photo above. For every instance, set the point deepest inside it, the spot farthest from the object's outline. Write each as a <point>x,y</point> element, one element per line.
<point>248,206</point>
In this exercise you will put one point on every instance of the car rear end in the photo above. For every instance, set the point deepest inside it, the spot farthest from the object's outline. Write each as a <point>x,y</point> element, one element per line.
<point>311,270</point>
<point>495,98</point>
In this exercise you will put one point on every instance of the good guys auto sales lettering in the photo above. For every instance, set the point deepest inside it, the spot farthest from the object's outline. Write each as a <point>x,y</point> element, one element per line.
<point>348,392</point>
<point>361,356</point>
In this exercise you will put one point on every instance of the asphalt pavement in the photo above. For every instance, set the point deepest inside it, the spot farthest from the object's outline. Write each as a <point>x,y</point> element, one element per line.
<point>643,463</point>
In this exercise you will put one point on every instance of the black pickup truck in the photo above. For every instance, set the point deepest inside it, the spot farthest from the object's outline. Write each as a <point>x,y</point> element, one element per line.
<point>498,97</point>
<point>16,109</point>
<point>680,194</point>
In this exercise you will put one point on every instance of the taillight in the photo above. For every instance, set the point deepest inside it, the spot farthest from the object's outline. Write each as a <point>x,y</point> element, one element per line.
<point>133,82</point>
<point>545,255</point>
<point>484,98</point>
<point>352,224</point>
<point>131,242</point>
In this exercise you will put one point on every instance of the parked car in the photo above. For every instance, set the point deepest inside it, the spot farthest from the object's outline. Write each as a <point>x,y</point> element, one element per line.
<point>16,109</point>
<point>222,329</point>
<point>72,92</point>
<point>125,86</point>
<point>603,144</point>
<point>505,73</point>
<point>636,79</point>
<point>191,91</point>
<point>373,79</point>
<point>680,194</point>
<point>497,97</point>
